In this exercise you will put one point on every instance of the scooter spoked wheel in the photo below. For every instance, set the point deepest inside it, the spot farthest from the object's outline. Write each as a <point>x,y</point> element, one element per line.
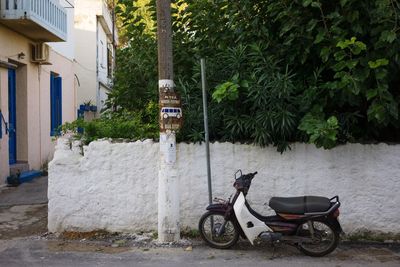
<point>210,230</point>
<point>325,239</point>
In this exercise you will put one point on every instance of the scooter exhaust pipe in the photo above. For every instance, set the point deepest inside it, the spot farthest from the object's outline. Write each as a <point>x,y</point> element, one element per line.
<point>270,236</point>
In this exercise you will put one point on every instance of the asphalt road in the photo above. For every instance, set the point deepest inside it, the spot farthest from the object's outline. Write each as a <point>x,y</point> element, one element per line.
<point>41,252</point>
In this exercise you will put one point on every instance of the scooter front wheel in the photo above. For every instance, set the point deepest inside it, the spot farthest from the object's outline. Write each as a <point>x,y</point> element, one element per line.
<point>216,231</point>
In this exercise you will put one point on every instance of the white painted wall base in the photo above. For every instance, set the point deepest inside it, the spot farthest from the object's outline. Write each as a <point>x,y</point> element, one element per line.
<point>114,186</point>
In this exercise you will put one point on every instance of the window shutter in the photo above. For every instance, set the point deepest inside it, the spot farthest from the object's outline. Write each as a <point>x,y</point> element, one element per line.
<point>52,104</point>
<point>58,81</point>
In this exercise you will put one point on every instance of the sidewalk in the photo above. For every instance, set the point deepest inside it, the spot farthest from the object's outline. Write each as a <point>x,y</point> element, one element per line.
<point>34,192</point>
<point>23,209</point>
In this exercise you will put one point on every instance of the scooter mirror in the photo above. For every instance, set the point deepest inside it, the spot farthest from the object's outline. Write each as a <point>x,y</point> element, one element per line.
<point>238,172</point>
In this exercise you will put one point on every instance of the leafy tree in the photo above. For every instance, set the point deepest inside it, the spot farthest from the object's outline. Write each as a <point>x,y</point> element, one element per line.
<point>278,71</point>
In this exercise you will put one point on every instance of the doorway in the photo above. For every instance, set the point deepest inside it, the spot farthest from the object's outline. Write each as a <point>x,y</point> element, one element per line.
<point>12,117</point>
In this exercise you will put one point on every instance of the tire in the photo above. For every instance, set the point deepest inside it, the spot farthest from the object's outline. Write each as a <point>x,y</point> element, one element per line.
<point>232,234</point>
<point>333,243</point>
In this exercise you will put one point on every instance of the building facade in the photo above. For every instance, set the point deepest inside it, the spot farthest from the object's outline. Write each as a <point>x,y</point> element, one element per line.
<point>95,42</point>
<point>37,80</point>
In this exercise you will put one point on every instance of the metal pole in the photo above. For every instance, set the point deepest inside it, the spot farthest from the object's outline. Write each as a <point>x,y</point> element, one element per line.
<point>203,85</point>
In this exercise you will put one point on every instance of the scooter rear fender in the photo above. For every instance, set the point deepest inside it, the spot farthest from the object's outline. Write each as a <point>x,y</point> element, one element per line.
<point>336,225</point>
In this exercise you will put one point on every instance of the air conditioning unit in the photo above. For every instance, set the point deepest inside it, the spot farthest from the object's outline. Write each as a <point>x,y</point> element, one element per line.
<point>40,53</point>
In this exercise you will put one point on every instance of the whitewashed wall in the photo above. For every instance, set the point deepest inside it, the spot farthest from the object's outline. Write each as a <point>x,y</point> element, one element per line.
<point>114,186</point>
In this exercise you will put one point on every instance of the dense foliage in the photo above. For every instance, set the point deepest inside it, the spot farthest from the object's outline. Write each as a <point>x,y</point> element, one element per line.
<point>278,71</point>
<point>121,125</point>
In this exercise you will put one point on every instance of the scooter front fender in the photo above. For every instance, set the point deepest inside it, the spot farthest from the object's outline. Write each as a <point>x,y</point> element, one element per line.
<point>223,209</point>
<point>217,207</point>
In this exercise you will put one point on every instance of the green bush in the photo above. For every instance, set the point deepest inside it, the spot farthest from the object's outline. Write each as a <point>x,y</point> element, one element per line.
<point>121,125</point>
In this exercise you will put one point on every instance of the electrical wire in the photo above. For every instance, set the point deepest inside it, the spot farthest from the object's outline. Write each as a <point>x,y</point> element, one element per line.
<point>71,5</point>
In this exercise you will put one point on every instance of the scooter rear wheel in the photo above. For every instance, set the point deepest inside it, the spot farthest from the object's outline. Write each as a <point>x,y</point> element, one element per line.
<point>210,224</point>
<point>325,241</point>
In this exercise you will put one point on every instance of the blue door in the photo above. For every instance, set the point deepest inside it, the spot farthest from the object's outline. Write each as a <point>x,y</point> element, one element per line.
<point>12,117</point>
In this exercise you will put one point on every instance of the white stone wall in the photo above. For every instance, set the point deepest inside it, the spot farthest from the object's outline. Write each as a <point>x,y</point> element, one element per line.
<point>114,186</point>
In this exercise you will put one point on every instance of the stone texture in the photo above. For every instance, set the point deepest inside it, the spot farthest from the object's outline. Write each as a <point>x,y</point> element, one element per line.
<point>114,185</point>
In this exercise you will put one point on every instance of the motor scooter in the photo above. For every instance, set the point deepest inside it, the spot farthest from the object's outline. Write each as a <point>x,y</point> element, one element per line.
<point>308,222</point>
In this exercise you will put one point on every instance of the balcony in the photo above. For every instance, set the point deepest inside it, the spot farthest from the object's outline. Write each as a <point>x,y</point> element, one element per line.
<point>39,20</point>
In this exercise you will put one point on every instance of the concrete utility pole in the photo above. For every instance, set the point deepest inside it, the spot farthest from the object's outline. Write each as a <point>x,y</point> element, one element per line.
<point>170,121</point>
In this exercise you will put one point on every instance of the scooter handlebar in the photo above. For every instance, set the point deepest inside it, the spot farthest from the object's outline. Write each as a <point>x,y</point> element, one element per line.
<point>251,175</point>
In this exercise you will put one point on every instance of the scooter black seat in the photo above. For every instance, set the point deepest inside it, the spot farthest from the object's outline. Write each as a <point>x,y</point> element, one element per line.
<point>299,205</point>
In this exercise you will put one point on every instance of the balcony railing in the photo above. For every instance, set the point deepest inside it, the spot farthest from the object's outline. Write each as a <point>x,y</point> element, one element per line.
<point>42,20</point>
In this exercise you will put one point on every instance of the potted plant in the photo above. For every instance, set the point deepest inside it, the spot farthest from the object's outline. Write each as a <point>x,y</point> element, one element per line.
<point>93,108</point>
<point>86,105</point>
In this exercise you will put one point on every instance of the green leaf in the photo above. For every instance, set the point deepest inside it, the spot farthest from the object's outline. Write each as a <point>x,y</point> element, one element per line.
<point>376,112</point>
<point>355,46</point>
<point>306,3</point>
<point>311,25</point>
<point>371,93</point>
<point>343,2</point>
<point>244,83</point>
<point>351,64</point>
<point>342,44</point>
<point>339,66</point>
<point>324,54</point>
<point>353,16</point>
<point>388,36</point>
<point>316,4</point>
<point>320,37</point>
<point>321,133</point>
<point>227,90</point>
<point>377,63</point>
<point>380,73</point>
<point>339,55</point>
<point>332,121</point>
<point>333,15</point>
<point>360,45</point>
<point>339,75</point>
<point>361,74</point>
<point>393,109</point>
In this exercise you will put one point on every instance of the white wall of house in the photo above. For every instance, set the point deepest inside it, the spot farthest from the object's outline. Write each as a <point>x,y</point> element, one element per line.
<point>67,49</point>
<point>4,169</point>
<point>34,143</point>
<point>93,30</point>
<point>116,183</point>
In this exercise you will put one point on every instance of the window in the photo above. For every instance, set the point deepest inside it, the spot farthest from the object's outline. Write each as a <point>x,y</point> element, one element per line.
<point>55,103</point>
<point>101,54</point>
<point>1,123</point>
<point>109,61</point>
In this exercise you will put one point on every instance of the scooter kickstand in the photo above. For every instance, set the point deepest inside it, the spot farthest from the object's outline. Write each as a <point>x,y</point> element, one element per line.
<point>273,251</point>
